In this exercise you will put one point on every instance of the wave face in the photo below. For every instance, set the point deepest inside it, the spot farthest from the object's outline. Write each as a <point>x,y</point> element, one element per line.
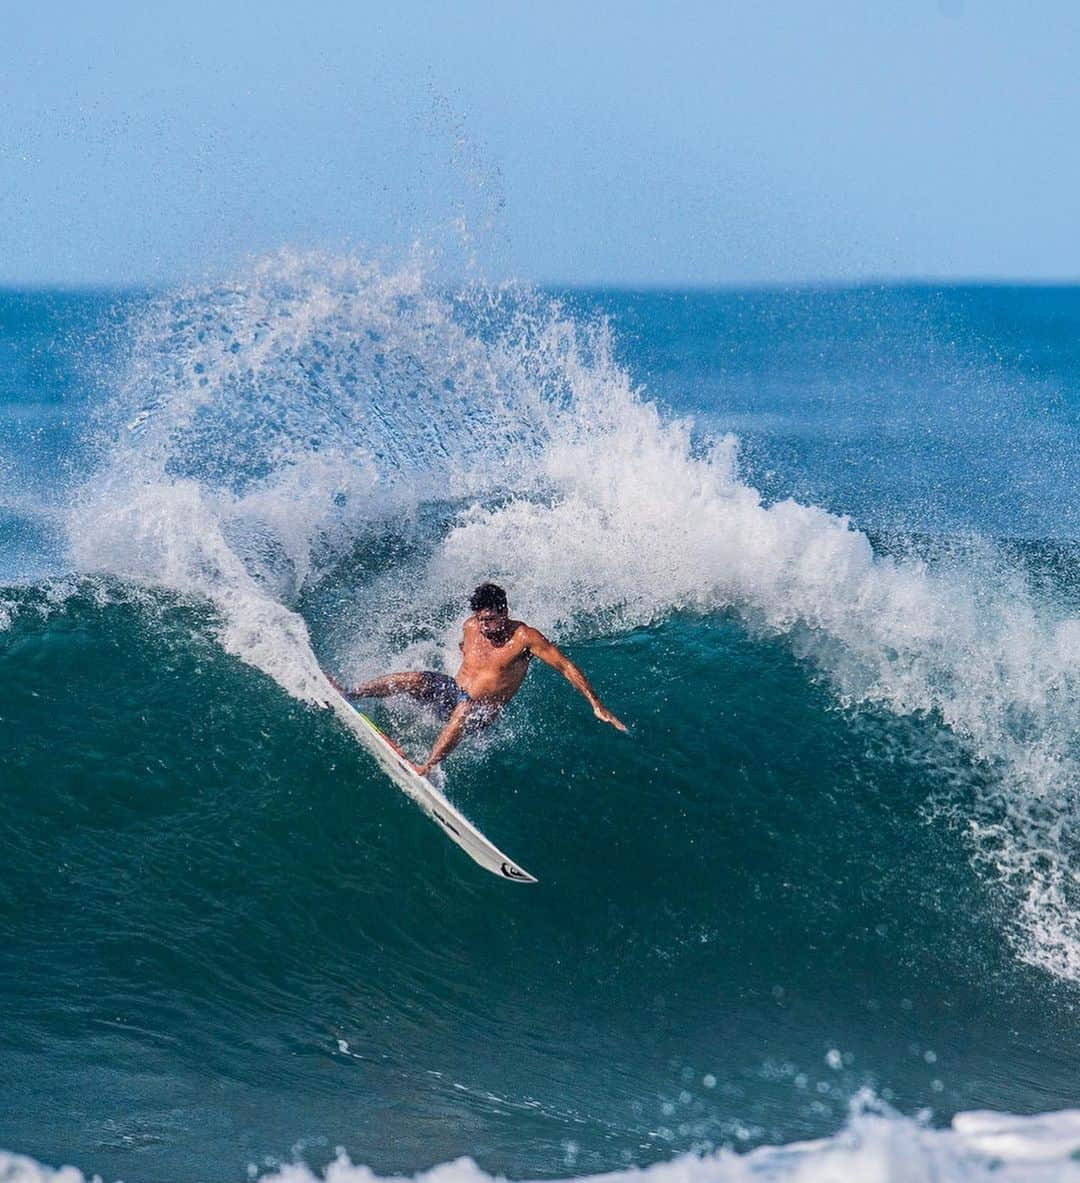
<point>838,852</point>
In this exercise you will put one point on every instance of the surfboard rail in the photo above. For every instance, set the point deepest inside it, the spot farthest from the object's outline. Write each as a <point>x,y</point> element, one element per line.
<point>401,770</point>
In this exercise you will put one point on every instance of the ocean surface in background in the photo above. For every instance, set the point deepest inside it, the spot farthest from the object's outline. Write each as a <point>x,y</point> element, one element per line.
<point>817,917</point>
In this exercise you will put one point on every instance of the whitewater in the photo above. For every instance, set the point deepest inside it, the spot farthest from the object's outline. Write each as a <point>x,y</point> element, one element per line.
<point>871,1148</point>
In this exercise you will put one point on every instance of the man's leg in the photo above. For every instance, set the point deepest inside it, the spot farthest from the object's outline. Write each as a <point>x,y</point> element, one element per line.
<point>436,690</point>
<point>416,685</point>
<point>466,718</point>
<point>450,736</point>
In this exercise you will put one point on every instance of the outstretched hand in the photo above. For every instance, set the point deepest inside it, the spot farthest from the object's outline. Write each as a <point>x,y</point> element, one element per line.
<point>605,716</point>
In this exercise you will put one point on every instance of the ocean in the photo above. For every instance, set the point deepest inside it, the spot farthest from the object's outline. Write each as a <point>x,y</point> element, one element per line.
<point>816,916</point>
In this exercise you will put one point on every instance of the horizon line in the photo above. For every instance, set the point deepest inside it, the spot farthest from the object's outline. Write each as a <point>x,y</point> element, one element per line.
<point>139,287</point>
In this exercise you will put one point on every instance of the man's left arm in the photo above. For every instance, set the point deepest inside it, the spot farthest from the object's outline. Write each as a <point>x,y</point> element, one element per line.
<point>539,646</point>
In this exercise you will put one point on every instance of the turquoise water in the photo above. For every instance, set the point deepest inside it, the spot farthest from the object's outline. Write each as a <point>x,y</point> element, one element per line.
<point>835,858</point>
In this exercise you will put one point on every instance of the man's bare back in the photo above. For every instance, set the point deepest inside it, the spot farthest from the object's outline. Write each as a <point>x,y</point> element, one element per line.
<point>495,656</point>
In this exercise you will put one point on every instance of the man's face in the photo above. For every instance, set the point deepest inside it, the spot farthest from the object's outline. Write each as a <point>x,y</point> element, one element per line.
<point>492,622</point>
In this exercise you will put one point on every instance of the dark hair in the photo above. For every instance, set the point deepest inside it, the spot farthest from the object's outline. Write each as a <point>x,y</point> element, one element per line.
<point>488,595</point>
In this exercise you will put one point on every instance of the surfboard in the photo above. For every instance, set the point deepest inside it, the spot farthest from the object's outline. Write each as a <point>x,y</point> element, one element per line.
<point>401,770</point>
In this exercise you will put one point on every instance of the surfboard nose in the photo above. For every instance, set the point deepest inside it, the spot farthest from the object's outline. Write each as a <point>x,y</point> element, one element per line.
<point>512,871</point>
<point>400,769</point>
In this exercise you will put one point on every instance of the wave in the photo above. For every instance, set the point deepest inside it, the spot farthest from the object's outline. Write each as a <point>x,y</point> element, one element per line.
<point>874,1145</point>
<point>332,453</point>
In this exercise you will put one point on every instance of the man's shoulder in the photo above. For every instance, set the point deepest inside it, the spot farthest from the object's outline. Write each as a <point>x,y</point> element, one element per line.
<point>527,634</point>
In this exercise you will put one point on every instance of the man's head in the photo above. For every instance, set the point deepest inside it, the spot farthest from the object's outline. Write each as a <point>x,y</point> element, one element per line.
<point>488,602</point>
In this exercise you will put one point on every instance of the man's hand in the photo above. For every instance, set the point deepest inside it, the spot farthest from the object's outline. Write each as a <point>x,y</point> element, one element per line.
<point>605,716</point>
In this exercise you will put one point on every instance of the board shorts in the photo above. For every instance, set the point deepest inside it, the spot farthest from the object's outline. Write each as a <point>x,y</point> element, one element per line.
<point>444,694</point>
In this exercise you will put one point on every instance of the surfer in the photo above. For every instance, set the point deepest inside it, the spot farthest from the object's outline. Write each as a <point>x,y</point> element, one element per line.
<point>495,656</point>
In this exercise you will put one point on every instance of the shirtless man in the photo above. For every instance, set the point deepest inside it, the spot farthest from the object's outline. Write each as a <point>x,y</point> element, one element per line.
<point>495,656</point>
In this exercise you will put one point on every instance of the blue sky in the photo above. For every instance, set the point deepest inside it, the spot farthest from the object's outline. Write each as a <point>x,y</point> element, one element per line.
<point>633,143</point>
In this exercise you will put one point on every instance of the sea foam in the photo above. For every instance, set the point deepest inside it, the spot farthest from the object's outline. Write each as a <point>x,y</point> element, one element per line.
<point>873,1147</point>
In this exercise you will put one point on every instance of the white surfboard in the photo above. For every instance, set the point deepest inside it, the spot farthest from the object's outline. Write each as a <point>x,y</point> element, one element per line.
<point>400,769</point>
